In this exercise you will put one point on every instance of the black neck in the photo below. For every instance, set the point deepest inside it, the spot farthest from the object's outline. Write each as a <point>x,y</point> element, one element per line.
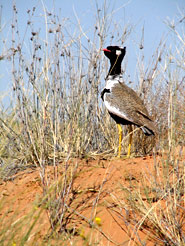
<point>115,68</point>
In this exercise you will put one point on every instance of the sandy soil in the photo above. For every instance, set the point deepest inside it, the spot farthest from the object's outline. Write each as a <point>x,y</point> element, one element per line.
<point>98,197</point>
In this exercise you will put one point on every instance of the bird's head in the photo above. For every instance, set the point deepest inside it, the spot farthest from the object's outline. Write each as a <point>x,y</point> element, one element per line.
<point>115,53</point>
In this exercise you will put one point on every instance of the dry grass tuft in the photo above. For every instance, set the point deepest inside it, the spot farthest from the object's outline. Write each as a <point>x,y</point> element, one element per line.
<point>56,113</point>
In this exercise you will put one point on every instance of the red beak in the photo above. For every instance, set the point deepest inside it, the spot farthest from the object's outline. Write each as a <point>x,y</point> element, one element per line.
<point>106,50</point>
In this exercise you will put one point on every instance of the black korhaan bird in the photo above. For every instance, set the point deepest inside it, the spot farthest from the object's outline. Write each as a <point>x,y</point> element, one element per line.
<point>122,103</point>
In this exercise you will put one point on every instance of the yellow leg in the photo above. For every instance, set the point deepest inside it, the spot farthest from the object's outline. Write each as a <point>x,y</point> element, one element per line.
<point>130,140</point>
<point>120,139</point>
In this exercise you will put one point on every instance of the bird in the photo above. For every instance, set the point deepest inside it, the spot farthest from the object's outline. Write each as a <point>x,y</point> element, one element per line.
<point>122,102</point>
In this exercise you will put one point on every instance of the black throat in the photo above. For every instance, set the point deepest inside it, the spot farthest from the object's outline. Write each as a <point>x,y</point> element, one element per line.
<point>115,68</point>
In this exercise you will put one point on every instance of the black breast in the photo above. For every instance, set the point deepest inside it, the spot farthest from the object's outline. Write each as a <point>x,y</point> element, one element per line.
<point>105,90</point>
<point>120,120</point>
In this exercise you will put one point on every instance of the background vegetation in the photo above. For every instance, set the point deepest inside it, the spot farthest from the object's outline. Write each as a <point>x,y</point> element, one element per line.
<point>56,113</point>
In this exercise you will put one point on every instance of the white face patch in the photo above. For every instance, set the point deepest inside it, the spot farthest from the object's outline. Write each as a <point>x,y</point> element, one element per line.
<point>118,52</point>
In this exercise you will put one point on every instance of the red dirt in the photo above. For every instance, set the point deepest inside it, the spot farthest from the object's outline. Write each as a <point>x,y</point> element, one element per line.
<point>99,189</point>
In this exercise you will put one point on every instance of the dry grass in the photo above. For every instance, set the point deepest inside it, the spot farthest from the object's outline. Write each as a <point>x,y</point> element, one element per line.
<point>156,207</point>
<point>57,113</point>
